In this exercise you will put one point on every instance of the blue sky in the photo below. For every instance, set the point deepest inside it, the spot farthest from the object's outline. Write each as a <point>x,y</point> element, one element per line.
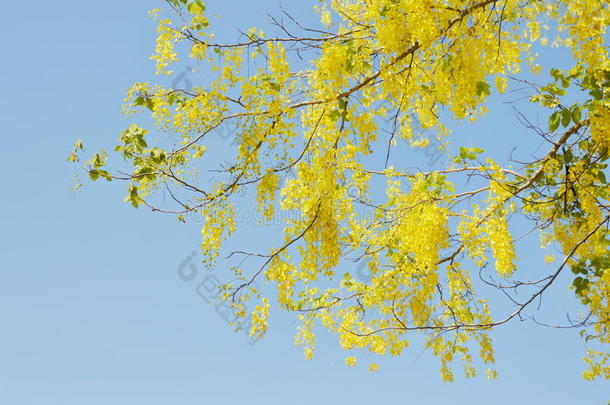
<point>92,310</point>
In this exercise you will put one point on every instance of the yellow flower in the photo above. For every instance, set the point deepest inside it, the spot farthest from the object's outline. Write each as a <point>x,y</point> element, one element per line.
<point>351,361</point>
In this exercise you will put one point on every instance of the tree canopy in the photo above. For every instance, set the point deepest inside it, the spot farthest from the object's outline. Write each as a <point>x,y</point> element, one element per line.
<point>318,112</point>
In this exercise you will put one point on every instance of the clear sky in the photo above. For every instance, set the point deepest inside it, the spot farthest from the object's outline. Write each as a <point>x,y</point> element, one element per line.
<point>92,310</point>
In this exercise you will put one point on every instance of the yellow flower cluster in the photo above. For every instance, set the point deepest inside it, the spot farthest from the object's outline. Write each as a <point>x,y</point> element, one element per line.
<point>600,124</point>
<point>398,66</point>
<point>259,319</point>
<point>164,50</point>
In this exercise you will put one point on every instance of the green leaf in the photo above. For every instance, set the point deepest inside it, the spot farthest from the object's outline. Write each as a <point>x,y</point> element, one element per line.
<point>566,117</point>
<point>158,155</point>
<point>556,74</point>
<point>144,173</point>
<point>579,268</point>
<point>554,120</point>
<point>596,94</point>
<point>132,196</point>
<point>580,284</point>
<point>483,89</point>
<point>468,154</point>
<point>198,3</point>
<point>334,115</point>
<point>99,159</point>
<point>78,145</point>
<point>576,114</point>
<point>601,177</point>
<point>95,174</point>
